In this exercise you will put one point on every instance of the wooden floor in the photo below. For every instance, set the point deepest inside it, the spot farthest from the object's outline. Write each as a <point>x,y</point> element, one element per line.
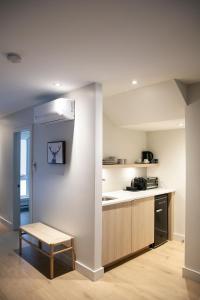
<point>3,228</point>
<point>24,217</point>
<point>153,275</point>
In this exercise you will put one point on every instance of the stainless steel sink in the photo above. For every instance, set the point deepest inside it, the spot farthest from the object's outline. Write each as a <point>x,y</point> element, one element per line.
<point>105,198</point>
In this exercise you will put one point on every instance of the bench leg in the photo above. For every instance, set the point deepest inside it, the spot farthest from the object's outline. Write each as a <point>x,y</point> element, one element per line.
<point>52,262</point>
<point>73,254</point>
<point>20,242</point>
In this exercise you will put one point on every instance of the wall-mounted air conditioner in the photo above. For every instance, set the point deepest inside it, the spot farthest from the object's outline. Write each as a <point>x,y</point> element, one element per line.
<point>58,110</point>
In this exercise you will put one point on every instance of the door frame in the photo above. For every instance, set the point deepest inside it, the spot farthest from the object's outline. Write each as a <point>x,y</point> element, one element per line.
<point>16,167</point>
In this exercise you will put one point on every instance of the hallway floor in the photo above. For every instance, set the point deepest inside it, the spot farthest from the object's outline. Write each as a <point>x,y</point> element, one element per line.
<point>153,275</point>
<point>24,217</point>
<point>3,228</point>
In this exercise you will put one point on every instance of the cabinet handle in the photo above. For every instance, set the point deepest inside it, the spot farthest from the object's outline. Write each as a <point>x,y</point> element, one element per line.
<point>159,210</point>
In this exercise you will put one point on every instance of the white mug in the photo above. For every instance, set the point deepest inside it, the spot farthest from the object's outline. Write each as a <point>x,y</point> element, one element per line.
<point>146,161</point>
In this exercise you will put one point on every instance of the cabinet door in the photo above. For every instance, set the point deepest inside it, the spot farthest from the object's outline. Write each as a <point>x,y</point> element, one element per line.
<point>116,232</point>
<point>142,223</point>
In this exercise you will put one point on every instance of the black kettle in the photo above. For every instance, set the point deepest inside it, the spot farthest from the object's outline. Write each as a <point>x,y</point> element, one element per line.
<point>147,155</point>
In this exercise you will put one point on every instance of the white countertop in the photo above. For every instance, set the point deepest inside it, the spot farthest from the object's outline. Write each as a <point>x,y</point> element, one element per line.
<point>126,196</point>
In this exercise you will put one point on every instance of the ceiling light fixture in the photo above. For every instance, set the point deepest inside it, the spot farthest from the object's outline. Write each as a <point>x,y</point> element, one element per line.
<point>181,124</point>
<point>13,57</point>
<point>134,82</point>
<point>57,84</point>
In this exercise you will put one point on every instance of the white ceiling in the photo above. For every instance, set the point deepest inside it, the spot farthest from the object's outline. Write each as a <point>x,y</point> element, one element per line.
<point>110,41</point>
<point>161,125</point>
<point>151,104</point>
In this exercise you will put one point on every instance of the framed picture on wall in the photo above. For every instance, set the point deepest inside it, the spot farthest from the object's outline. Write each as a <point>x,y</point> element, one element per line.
<point>56,152</point>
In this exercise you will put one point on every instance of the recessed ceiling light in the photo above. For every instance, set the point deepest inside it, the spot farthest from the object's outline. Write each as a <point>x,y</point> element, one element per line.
<point>134,82</point>
<point>57,84</point>
<point>181,124</point>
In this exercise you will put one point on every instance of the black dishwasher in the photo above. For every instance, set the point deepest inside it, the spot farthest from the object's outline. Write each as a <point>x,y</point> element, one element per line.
<point>161,220</point>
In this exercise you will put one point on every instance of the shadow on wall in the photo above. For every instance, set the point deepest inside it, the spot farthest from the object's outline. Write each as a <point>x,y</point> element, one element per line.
<point>47,97</point>
<point>193,93</point>
<point>69,142</point>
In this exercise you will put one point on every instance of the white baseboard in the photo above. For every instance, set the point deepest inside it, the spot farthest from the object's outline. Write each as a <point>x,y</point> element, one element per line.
<point>6,222</point>
<point>178,237</point>
<point>89,273</point>
<point>191,274</point>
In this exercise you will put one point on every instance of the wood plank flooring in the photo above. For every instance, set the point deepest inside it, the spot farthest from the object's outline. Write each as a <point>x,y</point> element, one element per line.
<point>3,228</point>
<point>153,275</point>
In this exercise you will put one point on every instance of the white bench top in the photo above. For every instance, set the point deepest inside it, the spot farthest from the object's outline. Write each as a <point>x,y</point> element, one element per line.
<point>46,233</point>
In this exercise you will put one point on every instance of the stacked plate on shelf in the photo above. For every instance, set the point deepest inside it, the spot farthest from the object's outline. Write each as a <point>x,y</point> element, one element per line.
<point>111,160</point>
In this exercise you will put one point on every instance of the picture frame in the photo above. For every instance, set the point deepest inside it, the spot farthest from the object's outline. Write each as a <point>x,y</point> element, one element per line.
<point>56,152</point>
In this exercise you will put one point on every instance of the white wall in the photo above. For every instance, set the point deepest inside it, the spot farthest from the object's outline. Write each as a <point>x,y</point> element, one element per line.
<point>169,148</point>
<point>122,143</point>
<point>66,197</point>
<point>5,173</point>
<point>192,241</point>
<point>118,179</point>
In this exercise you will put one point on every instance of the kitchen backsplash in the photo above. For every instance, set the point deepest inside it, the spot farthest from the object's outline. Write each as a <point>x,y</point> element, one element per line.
<point>117,179</point>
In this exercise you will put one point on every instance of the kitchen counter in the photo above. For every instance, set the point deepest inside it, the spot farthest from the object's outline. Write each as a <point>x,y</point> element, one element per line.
<point>126,196</point>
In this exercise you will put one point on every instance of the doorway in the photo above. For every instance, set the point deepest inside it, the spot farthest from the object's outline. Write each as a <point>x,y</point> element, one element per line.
<point>24,177</point>
<point>22,212</point>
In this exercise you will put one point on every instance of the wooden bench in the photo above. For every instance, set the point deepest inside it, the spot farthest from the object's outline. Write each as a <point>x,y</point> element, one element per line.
<point>49,236</point>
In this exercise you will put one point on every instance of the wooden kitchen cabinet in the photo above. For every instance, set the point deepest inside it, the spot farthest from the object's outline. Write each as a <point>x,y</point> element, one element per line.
<point>142,223</point>
<point>129,227</point>
<point>116,232</point>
